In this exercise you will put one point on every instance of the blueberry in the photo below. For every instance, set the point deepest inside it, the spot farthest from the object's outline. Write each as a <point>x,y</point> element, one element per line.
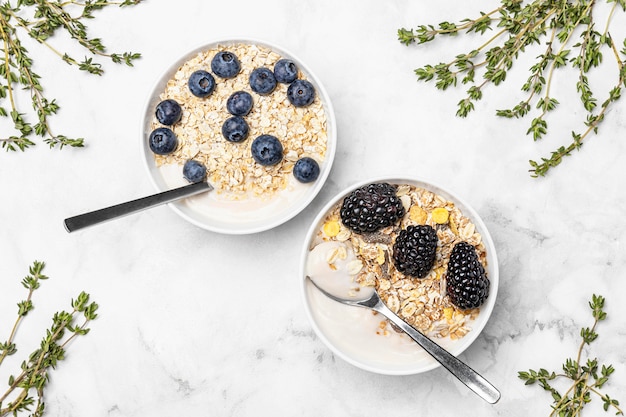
<point>262,81</point>
<point>235,129</point>
<point>267,150</point>
<point>301,93</point>
<point>201,83</point>
<point>285,71</point>
<point>225,64</point>
<point>168,112</point>
<point>194,171</point>
<point>239,103</point>
<point>306,169</point>
<point>163,141</point>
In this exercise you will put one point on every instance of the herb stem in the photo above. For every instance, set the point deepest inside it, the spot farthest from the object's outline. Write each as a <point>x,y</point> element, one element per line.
<point>586,379</point>
<point>26,389</point>
<point>609,18</point>
<point>98,3</point>
<point>618,410</point>
<point>36,95</point>
<point>23,24</point>
<point>37,370</point>
<point>492,39</point>
<point>5,352</point>
<point>580,399</point>
<point>519,25</point>
<point>550,74</point>
<point>565,397</point>
<point>620,64</point>
<point>470,23</point>
<point>7,69</point>
<point>46,19</point>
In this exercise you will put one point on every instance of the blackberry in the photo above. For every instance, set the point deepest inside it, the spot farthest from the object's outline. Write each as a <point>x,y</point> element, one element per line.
<point>371,207</point>
<point>467,284</point>
<point>414,250</point>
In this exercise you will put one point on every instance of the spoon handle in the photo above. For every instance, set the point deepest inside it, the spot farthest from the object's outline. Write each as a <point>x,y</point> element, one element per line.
<point>98,216</point>
<point>459,369</point>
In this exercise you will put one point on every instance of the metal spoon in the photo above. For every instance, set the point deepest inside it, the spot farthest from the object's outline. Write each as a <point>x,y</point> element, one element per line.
<point>464,373</point>
<point>98,216</point>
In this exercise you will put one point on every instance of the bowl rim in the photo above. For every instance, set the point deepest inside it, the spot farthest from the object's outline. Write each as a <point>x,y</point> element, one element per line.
<point>331,129</point>
<point>493,268</point>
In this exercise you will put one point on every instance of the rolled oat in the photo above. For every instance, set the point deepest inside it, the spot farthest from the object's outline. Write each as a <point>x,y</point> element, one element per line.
<point>422,303</point>
<point>231,169</point>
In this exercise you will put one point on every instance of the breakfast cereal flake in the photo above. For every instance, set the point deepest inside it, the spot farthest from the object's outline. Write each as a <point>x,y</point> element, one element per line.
<point>422,303</point>
<point>231,169</point>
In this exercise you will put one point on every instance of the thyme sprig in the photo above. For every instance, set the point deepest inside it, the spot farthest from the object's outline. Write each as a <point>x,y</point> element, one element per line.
<point>40,19</point>
<point>586,378</point>
<point>25,391</point>
<point>571,37</point>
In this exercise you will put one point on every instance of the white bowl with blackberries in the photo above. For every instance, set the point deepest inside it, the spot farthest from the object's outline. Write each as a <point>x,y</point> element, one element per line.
<point>249,118</point>
<point>424,250</point>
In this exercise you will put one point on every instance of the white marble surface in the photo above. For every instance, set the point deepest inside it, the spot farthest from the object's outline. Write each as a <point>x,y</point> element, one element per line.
<point>197,323</point>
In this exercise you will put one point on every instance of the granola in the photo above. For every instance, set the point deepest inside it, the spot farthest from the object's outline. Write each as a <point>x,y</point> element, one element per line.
<point>231,169</point>
<point>422,303</point>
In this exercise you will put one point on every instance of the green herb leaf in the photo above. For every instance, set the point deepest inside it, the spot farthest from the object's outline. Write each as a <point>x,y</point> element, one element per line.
<point>586,379</point>
<point>40,20</point>
<point>26,388</point>
<point>570,37</point>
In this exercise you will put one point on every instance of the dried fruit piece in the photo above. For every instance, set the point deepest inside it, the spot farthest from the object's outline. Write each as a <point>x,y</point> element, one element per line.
<point>331,228</point>
<point>439,272</point>
<point>440,215</point>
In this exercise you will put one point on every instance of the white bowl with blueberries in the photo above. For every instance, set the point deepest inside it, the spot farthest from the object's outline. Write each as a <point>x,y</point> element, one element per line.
<point>252,120</point>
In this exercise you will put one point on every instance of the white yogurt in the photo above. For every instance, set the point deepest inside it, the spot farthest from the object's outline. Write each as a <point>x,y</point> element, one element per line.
<point>354,334</point>
<point>219,207</point>
<point>335,277</point>
<point>359,333</point>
